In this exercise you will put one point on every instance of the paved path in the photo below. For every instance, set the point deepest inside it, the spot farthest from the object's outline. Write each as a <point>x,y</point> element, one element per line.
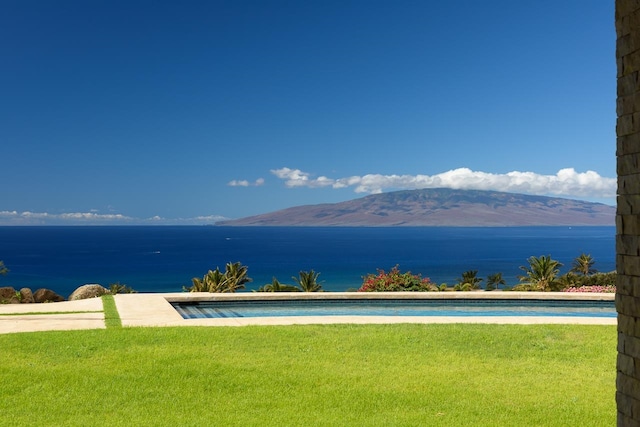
<point>56,316</point>
<point>155,310</point>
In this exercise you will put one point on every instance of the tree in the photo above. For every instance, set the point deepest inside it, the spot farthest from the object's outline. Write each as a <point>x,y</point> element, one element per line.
<point>308,281</point>
<point>233,278</point>
<point>494,281</point>
<point>468,281</point>
<point>210,282</point>
<point>541,272</point>
<point>584,265</point>
<point>3,270</point>
<point>276,286</point>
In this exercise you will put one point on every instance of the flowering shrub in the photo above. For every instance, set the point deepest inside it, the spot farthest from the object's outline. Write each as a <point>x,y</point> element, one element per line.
<point>604,289</point>
<point>394,281</point>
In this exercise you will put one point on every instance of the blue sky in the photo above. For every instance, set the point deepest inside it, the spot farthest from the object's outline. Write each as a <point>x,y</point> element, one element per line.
<point>183,112</point>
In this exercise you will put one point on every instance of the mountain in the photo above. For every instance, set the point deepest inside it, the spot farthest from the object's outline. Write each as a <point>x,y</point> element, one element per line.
<point>440,207</point>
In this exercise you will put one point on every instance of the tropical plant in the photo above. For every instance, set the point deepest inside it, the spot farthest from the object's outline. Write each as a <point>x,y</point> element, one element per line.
<point>595,279</point>
<point>598,279</point>
<point>395,281</point>
<point>599,289</point>
<point>120,288</point>
<point>3,269</point>
<point>541,273</point>
<point>234,278</point>
<point>494,281</point>
<point>584,265</point>
<point>276,286</point>
<point>308,281</point>
<point>210,282</point>
<point>565,281</point>
<point>469,281</point>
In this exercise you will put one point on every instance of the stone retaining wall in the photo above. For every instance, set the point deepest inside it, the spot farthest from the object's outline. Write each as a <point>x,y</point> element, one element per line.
<point>628,213</point>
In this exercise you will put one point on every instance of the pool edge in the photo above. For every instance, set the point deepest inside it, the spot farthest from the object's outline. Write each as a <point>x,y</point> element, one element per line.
<point>146,309</point>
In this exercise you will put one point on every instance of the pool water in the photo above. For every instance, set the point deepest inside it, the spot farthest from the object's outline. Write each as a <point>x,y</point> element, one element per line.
<point>453,307</point>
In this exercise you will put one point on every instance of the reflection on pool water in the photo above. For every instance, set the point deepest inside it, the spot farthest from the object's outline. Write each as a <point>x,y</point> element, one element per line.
<point>390,307</point>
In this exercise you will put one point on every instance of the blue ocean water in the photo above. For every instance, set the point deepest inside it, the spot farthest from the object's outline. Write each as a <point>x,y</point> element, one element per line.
<point>165,258</point>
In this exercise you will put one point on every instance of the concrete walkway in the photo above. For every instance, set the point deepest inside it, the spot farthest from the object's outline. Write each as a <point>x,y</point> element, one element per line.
<point>55,316</point>
<point>155,310</point>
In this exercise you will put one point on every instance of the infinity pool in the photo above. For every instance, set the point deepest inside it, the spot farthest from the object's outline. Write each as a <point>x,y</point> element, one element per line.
<point>392,307</point>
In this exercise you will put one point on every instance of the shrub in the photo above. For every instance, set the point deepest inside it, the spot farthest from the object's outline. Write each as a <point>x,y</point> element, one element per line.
<point>120,288</point>
<point>597,288</point>
<point>598,282</point>
<point>276,286</point>
<point>464,287</point>
<point>597,279</point>
<point>395,281</point>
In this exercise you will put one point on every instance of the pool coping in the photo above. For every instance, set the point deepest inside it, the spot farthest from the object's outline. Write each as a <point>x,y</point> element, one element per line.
<point>147,310</point>
<point>155,309</point>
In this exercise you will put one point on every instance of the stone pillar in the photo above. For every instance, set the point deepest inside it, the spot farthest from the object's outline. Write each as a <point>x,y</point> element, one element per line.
<point>628,213</point>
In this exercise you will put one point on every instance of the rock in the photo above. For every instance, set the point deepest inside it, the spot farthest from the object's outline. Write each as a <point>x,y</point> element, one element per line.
<point>26,296</point>
<point>88,291</point>
<point>8,295</point>
<point>46,295</point>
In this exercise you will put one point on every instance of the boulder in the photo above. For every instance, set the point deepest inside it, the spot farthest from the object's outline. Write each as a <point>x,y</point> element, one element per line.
<point>46,295</point>
<point>26,296</point>
<point>8,295</point>
<point>88,291</point>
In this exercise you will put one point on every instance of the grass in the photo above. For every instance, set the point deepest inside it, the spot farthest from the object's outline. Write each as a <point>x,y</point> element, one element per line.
<point>313,375</point>
<point>111,315</point>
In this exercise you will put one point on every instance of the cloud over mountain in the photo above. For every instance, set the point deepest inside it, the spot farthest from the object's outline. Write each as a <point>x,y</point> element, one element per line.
<point>567,182</point>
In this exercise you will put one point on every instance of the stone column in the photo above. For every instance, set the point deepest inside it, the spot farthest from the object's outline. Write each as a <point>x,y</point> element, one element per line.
<point>628,213</point>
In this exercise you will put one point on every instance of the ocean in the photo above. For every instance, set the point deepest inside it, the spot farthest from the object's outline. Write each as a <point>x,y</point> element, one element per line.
<point>165,258</point>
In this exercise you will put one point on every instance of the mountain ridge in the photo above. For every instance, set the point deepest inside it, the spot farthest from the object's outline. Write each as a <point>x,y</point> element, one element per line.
<point>439,207</point>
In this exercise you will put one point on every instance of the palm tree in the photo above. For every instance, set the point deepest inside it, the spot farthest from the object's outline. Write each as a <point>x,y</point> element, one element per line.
<point>494,281</point>
<point>276,286</point>
<point>583,265</point>
<point>541,272</point>
<point>308,281</point>
<point>235,277</point>
<point>469,280</point>
<point>213,281</point>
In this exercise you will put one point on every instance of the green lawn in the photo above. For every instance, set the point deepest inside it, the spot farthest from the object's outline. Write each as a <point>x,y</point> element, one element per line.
<point>326,375</point>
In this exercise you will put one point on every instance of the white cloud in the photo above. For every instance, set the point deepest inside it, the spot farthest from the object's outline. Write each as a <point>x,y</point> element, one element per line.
<point>567,182</point>
<point>244,183</point>
<point>297,178</point>
<point>71,218</point>
<point>92,218</point>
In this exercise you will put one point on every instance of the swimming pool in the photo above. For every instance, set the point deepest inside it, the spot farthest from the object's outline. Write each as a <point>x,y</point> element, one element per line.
<point>453,307</point>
